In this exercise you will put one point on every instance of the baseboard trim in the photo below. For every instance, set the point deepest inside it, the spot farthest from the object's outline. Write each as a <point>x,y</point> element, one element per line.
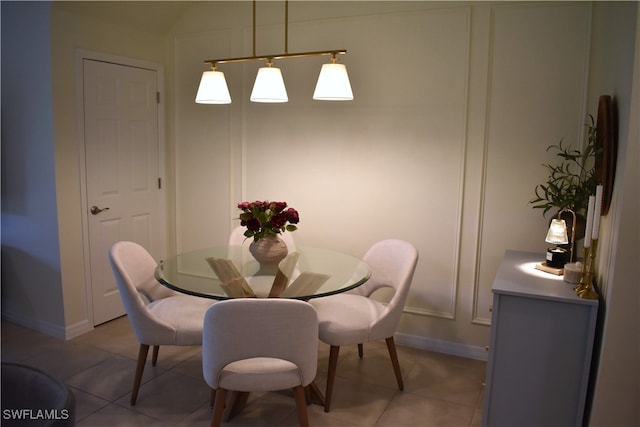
<point>29,322</point>
<point>78,329</point>
<point>414,341</point>
<point>47,328</point>
<point>441,346</point>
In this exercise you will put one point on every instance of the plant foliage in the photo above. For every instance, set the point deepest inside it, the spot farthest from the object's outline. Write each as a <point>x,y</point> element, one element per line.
<point>573,180</point>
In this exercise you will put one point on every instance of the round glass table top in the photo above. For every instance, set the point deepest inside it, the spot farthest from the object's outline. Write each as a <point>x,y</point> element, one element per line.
<point>231,272</point>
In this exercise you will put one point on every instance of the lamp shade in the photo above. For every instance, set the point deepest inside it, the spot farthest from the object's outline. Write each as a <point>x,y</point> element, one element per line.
<point>269,86</point>
<point>557,232</point>
<point>333,84</point>
<point>213,89</point>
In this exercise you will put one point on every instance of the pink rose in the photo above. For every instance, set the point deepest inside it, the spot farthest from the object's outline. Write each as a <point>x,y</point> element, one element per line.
<point>278,220</point>
<point>292,215</point>
<point>253,224</point>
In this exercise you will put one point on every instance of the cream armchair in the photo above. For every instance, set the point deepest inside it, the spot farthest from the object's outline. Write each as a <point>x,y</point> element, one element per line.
<point>355,318</point>
<point>259,344</point>
<point>158,315</point>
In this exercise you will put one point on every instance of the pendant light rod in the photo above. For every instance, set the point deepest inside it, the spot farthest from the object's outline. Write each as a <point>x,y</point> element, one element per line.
<point>254,28</point>
<point>286,26</point>
<point>213,62</point>
<point>284,55</point>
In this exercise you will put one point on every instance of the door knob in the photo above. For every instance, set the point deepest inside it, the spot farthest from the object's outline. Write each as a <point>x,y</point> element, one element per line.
<point>96,210</point>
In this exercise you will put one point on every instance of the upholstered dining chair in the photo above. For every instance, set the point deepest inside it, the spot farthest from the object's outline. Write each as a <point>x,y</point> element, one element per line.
<point>237,238</point>
<point>158,315</point>
<point>355,318</point>
<point>263,344</point>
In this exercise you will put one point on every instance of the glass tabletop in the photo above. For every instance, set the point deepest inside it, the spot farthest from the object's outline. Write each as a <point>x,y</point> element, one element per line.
<point>231,272</point>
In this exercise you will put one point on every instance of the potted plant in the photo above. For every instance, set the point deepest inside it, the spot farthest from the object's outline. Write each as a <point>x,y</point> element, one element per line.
<point>570,182</point>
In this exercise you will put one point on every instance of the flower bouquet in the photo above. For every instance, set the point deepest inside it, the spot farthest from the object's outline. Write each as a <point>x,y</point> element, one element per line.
<point>265,218</point>
<point>265,221</point>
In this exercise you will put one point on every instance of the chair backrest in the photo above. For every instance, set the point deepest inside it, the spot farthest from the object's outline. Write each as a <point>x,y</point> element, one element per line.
<point>133,269</point>
<point>392,263</point>
<point>237,238</point>
<point>246,328</point>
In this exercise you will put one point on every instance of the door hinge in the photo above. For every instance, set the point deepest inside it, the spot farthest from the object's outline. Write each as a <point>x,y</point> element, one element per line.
<point>159,183</point>
<point>158,97</point>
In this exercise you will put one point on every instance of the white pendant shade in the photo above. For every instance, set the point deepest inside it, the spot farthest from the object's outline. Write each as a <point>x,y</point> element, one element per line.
<point>269,86</point>
<point>213,89</point>
<point>333,84</point>
<point>557,232</point>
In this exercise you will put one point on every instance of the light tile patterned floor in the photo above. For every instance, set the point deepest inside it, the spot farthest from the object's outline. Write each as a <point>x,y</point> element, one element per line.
<point>440,390</point>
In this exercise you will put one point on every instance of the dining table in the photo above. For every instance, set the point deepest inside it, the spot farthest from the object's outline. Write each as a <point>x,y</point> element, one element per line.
<point>231,271</point>
<point>225,272</point>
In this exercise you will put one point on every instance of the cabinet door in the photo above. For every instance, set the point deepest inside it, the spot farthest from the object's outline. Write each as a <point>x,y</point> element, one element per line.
<point>539,359</point>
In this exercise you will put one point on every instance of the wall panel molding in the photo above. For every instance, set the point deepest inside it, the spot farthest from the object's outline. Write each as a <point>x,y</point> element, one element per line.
<point>538,55</point>
<point>389,128</point>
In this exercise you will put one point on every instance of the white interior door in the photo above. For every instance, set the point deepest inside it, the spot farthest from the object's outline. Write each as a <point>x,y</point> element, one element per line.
<point>122,165</point>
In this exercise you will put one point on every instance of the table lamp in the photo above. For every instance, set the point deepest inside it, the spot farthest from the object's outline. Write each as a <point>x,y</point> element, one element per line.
<point>557,235</point>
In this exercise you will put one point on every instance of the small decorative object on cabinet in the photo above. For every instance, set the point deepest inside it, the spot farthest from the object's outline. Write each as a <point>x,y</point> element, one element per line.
<point>540,349</point>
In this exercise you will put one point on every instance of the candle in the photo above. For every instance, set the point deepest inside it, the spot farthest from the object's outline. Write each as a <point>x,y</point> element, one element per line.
<point>573,272</point>
<point>597,211</point>
<point>587,230</point>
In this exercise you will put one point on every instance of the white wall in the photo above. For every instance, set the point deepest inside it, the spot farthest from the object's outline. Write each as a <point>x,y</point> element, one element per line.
<point>31,278</point>
<point>454,107</point>
<point>617,383</point>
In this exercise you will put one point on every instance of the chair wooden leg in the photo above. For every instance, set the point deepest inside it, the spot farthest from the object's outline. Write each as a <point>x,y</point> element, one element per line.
<point>218,407</point>
<point>331,376</point>
<point>235,404</point>
<point>154,358</point>
<point>308,395</point>
<point>391,346</point>
<point>212,399</point>
<point>142,359</point>
<point>314,395</point>
<point>301,404</point>
<point>360,351</point>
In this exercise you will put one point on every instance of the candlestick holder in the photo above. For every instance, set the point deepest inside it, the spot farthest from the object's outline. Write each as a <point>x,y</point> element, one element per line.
<point>584,289</point>
<point>585,270</point>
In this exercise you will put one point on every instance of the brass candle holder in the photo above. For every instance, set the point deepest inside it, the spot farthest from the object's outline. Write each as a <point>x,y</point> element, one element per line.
<point>584,289</point>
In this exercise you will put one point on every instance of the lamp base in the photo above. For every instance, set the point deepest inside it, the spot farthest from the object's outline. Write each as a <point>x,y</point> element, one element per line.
<point>548,269</point>
<point>557,257</point>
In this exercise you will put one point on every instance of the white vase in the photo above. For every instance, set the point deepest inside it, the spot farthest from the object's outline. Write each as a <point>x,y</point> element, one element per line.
<point>268,251</point>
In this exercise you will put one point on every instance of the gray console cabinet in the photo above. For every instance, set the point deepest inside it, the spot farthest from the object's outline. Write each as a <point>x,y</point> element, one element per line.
<point>540,348</point>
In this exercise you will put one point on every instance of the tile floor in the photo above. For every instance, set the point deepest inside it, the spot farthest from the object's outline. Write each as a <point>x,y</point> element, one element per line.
<point>440,390</point>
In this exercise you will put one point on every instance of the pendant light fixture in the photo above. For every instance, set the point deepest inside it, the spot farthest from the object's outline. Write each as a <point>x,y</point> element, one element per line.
<point>213,88</point>
<point>333,82</point>
<point>269,85</point>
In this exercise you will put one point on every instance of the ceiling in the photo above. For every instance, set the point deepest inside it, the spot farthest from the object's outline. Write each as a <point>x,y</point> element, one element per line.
<point>152,16</point>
